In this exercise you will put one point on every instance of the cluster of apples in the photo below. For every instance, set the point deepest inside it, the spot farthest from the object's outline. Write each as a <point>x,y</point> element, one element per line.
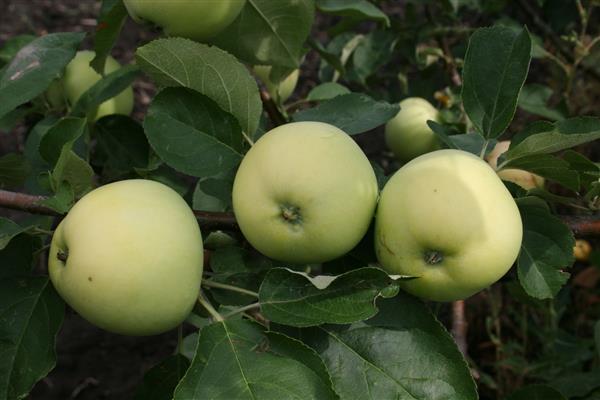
<point>129,256</point>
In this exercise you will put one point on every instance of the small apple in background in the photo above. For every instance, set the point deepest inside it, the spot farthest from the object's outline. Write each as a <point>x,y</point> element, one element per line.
<point>582,250</point>
<point>193,19</point>
<point>128,257</point>
<point>79,77</point>
<point>407,134</point>
<point>282,91</point>
<point>525,179</point>
<point>448,220</point>
<point>304,193</point>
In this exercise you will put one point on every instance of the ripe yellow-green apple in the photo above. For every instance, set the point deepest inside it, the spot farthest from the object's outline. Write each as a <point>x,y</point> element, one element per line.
<point>193,19</point>
<point>525,179</point>
<point>446,219</point>
<point>128,257</point>
<point>304,193</point>
<point>79,77</point>
<point>407,134</point>
<point>284,89</point>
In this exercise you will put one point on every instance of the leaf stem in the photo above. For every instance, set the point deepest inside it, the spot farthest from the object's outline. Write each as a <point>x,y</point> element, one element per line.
<point>232,288</point>
<point>211,310</point>
<point>242,309</point>
<point>484,148</point>
<point>40,231</point>
<point>248,138</point>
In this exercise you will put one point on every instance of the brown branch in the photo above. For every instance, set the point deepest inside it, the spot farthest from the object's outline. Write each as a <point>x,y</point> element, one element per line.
<point>275,115</point>
<point>583,225</point>
<point>459,325</point>
<point>32,204</point>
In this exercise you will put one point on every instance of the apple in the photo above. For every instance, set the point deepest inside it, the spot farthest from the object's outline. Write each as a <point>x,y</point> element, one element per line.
<point>446,219</point>
<point>282,91</point>
<point>79,77</point>
<point>525,179</point>
<point>582,250</point>
<point>304,193</point>
<point>193,19</point>
<point>128,257</point>
<point>407,134</point>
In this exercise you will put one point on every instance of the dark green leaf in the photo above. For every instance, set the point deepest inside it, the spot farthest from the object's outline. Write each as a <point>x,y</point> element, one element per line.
<point>234,360</point>
<point>353,113</point>
<point>106,88</point>
<point>12,46</point>
<point>160,381</point>
<point>192,134</point>
<point>14,169</point>
<point>577,384</point>
<point>597,336</point>
<point>292,298</point>
<point>588,171</point>
<point>214,193</point>
<point>75,171</point>
<point>17,257</point>
<point>34,158</point>
<point>496,65</point>
<point>536,392</point>
<point>534,99</point>
<point>326,91</point>
<point>269,32</point>
<point>8,230</point>
<point>63,134</point>
<point>373,51</point>
<point>358,9</point>
<point>546,250</point>
<point>62,200</point>
<point>549,167</point>
<point>34,67</point>
<point>208,70</point>
<point>30,316</point>
<point>402,353</point>
<point>112,17</point>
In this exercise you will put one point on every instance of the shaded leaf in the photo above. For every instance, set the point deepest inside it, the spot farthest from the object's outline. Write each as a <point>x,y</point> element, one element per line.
<point>326,91</point>
<point>63,134</point>
<point>16,258</point>
<point>549,167</point>
<point>160,381</point>
<point>8,230</point>
<point>113,15</point>
<point>208,70</point>
<point>11,47</point>
<point>536,392</point>
<point>534,99</point>
<point>14,170</point>
<point>358,9</point>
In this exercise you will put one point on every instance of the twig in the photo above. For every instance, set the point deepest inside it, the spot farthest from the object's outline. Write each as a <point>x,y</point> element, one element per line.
<point>231,288</point>
<point>275,115</point>
<point>459,325</point>
<point>583,225</point>
<point>213,220</point>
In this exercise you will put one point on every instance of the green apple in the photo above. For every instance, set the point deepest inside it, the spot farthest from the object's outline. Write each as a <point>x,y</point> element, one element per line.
<point>304,193</point>
<point>128,257</point>
<point>525,179</point>
<point>193,19</point>
<point>282,91</point>
<point>79,77</point>
<point>448,220</point>
<point>407,134</point>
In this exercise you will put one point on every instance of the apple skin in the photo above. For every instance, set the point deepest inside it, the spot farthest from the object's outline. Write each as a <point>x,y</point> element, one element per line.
<point>525,179</point>
<point>286,87</point>
<point>447,219</point>
<point>79,77</point>
<point>192,19</point>
<point>407,134</point>
<point>304,193</point>
<point>134,258</point>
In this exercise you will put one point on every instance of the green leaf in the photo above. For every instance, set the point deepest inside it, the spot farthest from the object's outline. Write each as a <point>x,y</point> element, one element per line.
<point>34,158</point>
<point>326,91</point>
<point>160,381</point>
<point>546,250</point>
<point>357,9</point>
<point>70,168</point>
<point>208,70</point>
<point>353,113</point>
<point>12,46</point>
<point>14,170</point>
<point>62,200</point>
<point>471,142</point>
<point>291,298</point>
<point>549,167</point>
<point>588,171</point>
<point>30,316</point>
<point>16,258</point>
<point>214,193</point>
<point>122,146</point>
<point>402,353</point>
<point>496,65</point>
<point>234,360</point>
<point>546,137</point>
<point>534,99</point>
<point>374,50</point>
<point>106,88</point>
<point>577,384</point>
<point>63,134</point>
<point>192,134</point>
<point>8,230</point>
<point>269,32</point>
<point>536,392</point>
<point>110,22</point>
<point>34,67</point>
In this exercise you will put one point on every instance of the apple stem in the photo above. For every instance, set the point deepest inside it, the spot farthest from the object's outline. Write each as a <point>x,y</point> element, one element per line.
<point>433,257</point>
<point>242,309</point>
<point>208,307</point>
<point>62,256</point>
<point>217,285</point>
<point>291,214</point>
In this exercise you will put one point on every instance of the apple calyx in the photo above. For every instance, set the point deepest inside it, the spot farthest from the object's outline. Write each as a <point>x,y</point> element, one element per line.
<point>62,255</point>
<point>433,257</point>
<point>291,214</point>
